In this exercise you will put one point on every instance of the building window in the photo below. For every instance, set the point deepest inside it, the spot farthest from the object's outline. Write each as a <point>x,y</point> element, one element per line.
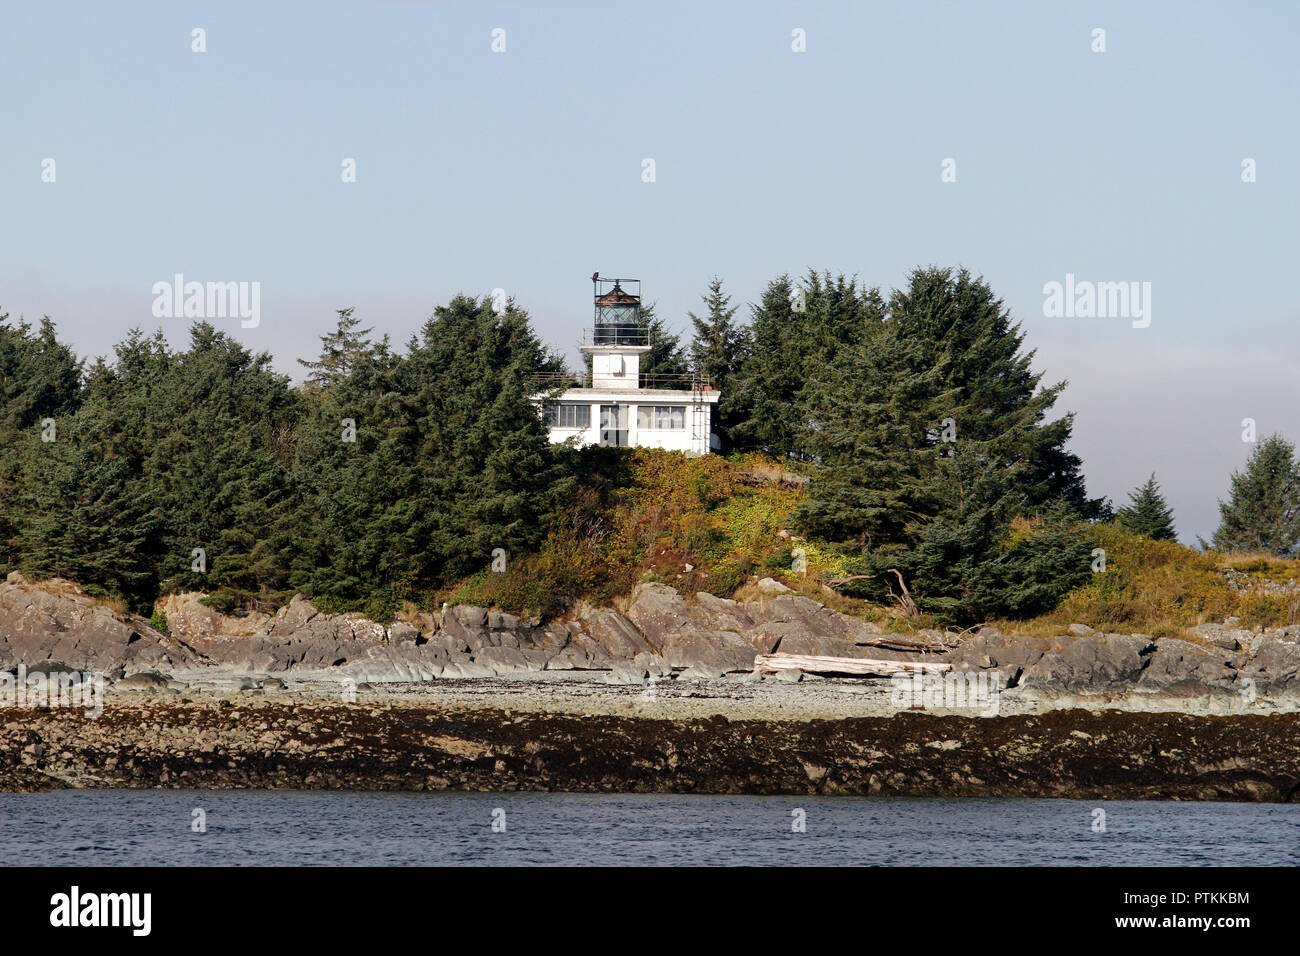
<point>567,415</point>
<point>661,416</point>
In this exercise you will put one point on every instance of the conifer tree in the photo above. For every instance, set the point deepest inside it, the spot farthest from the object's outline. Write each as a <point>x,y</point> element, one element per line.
<point>1147,514</point>
<point>719,344</point>
<point>448,458</point>
<point>719,347</point>
<point>1263,510</point>
<point>665,358</point>
<point>969,337</point>
<point>797,330</point>
<point>766,386</point>
<point>340,351</point>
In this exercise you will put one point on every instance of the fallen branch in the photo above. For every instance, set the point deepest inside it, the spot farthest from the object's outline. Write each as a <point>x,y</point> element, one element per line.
<point>897,642</point>
<point>904,600</point>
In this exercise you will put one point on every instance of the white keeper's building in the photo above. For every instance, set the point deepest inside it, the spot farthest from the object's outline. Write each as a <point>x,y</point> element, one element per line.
<point>617,405</point>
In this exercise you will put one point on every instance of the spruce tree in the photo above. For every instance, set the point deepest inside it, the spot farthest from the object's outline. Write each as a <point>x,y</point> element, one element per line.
<point>1263,509</point>
<point>996,398</point>
<point>871,411</point>
<point>719,347</point>
<point>40,380</point>
<point>1147,514</point>
<point>719,343</point>
<point>447,461</point>
<point>797,331</point>
<point>340,351</point>
<point>665,358</point>
<point>765,388</point>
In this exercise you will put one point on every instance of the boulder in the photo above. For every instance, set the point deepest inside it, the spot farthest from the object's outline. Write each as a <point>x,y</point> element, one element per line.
<point>1220,635</point>
<point>1092,664</point>
<point>1181,667</point>
<point>657,611</point>
<point>55,620</point>
<point>1009,654</point>
<point>1274,664</point>
<point>144,680</point>
<point>618,637</point>
<point>712,650</point>
<point>719,614</point>
<point>506,659</point>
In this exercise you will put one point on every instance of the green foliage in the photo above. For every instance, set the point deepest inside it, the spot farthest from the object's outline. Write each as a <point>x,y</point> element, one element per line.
<point>892,437</point>
<point>796,330</point>
<point>1147,513</point>
<point>719,348</point>
<point>450,459</point>
<point>1263,509</point>
<point>39,379</point>
<point>1161,588</point>
<point>930,435</point>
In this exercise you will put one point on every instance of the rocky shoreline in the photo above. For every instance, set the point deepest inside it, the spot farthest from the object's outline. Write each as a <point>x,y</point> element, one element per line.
<point>303,741</point>
<point>660,694</point>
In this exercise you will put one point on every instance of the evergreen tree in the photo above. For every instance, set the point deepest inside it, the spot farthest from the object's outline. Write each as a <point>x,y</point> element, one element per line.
<point>872,411</point>
<point>449,459</point>
<point>996,401</point>
<point>358,489</point>
<point>1263,510</point>
<point>40,380</point>
<point>766,386</point>
<point>796,331</point>
<point>665,358</point>
<point>719,347</point>
<point>930,438</point>
<point>484,454</point>
<point>340,351</point>
<point>169,452</point>
<point>1147,513</point>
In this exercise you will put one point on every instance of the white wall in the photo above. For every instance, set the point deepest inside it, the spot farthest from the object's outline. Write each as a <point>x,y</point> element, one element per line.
<point>694,438</point>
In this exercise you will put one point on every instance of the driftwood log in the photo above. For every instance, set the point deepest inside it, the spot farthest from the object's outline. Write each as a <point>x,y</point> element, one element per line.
<point>866,667</point>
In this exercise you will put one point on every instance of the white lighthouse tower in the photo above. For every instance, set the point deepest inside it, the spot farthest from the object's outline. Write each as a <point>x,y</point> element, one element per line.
<point>616,404</point>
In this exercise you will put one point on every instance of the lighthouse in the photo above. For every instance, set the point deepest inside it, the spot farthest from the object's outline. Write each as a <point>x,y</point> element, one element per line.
<point>615,403</point>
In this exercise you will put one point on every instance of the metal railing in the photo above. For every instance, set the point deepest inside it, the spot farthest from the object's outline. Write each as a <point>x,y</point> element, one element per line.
<point>630,334</point>
<point>680,382</point>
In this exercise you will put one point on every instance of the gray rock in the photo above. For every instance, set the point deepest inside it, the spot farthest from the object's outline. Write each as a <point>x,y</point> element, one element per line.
<point>702,672</point>
<point>506,659</point>
<point>1006,653</point>
<point>658,611</point>
<point>713,650</point>
<point>719,614</point>
<point>144,680</point>
<point>772,586</point>
<point>1081,630</point>
<point>652,665</point>
<point>1090,664</point>
<point>1228,638</point>
<point>617,636</point>
<point>1181,667</point>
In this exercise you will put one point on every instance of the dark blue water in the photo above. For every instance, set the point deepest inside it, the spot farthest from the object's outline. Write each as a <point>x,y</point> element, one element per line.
<point>251,828</point>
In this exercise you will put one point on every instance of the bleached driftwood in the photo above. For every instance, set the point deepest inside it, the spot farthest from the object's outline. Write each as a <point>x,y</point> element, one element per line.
<point>866,667</point>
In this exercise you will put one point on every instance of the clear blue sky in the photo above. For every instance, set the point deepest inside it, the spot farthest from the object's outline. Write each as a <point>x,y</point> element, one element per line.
<point>522,170</point>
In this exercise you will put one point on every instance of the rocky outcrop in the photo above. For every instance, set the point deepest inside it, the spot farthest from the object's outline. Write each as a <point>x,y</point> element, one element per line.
<point>659,633</point>
<point>58,622</point>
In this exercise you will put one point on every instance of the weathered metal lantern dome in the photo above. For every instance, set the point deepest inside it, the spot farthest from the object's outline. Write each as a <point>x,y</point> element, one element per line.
<point>618,312</point>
